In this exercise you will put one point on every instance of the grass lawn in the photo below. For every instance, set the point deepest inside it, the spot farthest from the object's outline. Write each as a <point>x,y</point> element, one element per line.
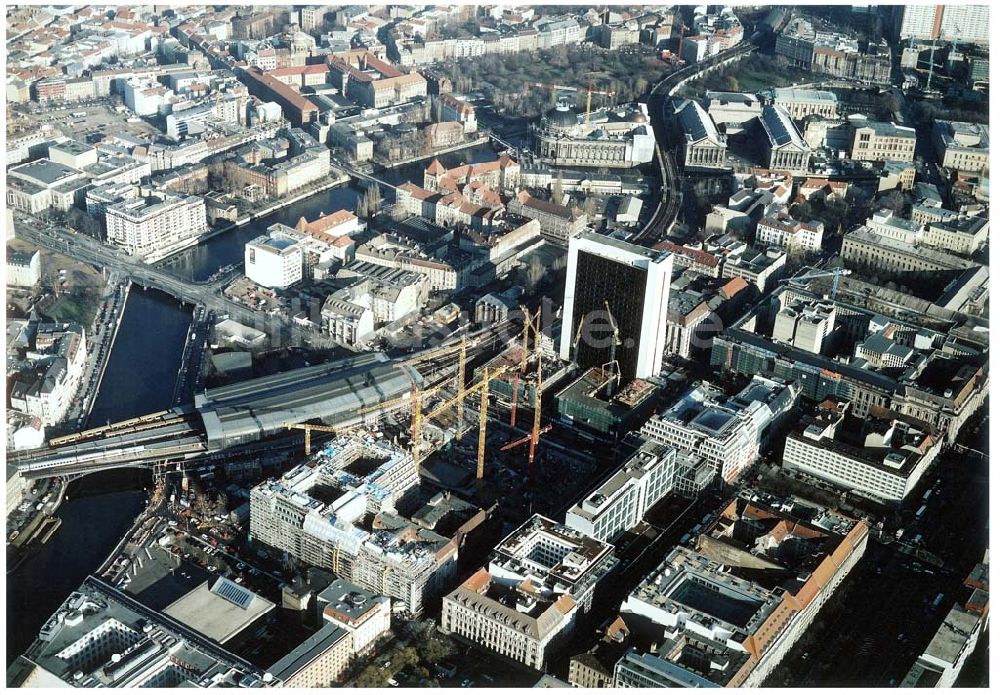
<point>752,75</point>
<point>79,309</point>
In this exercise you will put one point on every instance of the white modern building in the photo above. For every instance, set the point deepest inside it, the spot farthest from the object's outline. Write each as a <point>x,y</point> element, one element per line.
<point>619,503</point>
<point>805,325</point>
<point>154,227</point>
<point>951,22</point>
<point>273,260</point>
<point>726,432</point>
<point>145,96</point>
<point>882,457</point>
<point>634,284</point>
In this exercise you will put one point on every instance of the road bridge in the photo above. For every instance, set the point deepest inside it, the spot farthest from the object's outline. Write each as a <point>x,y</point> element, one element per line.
<point>207,294</point>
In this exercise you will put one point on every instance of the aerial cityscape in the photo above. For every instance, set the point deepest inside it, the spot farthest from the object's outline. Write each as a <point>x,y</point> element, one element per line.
<point>497,345</point>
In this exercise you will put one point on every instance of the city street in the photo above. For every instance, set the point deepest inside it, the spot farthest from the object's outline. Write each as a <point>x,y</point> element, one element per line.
<point>89,250</point>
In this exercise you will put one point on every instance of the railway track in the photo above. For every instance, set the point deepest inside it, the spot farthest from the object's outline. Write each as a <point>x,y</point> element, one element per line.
<point>668,206</point>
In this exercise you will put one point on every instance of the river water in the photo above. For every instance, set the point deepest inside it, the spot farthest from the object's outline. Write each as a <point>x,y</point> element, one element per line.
<point>199,262</point>
<point>144,360</point>
<point>101,507</point>
<point>99,510</point>
<point>139,379</point>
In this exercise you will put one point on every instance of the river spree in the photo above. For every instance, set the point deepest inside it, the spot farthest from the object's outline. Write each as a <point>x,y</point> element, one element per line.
<point>99,509</point>
<point>144,360</point>
<point>200,262</point>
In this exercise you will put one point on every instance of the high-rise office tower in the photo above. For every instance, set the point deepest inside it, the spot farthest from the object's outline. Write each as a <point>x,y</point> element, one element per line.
<point>634,284</point>
<point>953,22</point>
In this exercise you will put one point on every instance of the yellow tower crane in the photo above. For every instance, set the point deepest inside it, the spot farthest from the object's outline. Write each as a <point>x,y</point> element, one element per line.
<point>412,397</point>
<point>481,387</point>
<point>308,428</point>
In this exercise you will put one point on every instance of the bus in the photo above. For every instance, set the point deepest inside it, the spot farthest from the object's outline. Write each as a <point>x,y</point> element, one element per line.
<point>78,114</point>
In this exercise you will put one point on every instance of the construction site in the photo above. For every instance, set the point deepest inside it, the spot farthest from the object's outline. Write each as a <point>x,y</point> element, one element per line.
<point>482,425</point>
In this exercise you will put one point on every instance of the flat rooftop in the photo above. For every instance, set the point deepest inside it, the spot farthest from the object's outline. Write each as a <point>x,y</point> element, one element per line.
<point>219,610</point>
<point>45,171</point>
<point>299,658</point>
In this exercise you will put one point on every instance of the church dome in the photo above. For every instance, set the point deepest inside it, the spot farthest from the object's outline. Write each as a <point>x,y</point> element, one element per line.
<point>561,117</point>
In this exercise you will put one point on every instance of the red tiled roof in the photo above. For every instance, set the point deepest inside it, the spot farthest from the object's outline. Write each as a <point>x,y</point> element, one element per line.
<point>733,287</point>
<point>701,257</point>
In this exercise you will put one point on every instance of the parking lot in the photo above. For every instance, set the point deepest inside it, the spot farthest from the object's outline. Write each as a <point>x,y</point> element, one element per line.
<point>98,116</point>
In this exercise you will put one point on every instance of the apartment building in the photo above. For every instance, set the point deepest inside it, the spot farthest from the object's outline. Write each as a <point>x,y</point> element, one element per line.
<point>24,268</point>
<point>951,22</point>
<point>619,503</point>
<point>538,579</point>
<point>727,432</point>
<point>718,629</point>
<point>761,267</point>
<point>318,662</point>
<point>778,228</point>
<point>457,110</point>
<point>154,226</point>
<point>882,457</point>
<point>559,223</point>
<point>943,658</point>
<point>46,387</point>
<point>698,307</point>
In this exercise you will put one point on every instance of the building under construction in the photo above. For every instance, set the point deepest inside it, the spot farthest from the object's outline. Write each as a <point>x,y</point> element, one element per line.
<point>595,404</point>
<point>338,512</point>
<point>512,377</point>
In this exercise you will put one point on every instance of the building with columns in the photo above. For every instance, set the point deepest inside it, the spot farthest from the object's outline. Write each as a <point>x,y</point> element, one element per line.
<point>785,149</point>
<point>704,146</point>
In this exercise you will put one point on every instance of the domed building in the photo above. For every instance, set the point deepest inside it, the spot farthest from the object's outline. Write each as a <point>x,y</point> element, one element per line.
<point>297,40</point>
<point>620,137</point>
<point>560,118</point>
